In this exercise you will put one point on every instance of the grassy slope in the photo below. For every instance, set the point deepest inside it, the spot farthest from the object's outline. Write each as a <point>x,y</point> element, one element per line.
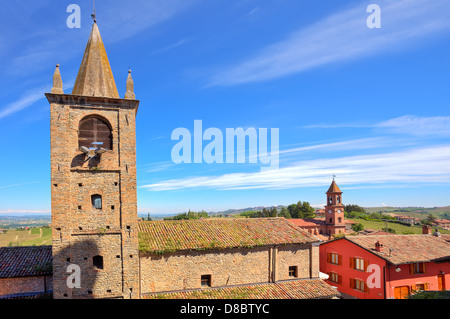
<point>33,237</point>
<point>399,228</point>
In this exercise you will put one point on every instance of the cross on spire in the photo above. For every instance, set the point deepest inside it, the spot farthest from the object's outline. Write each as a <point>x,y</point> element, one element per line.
<point>93,15</point>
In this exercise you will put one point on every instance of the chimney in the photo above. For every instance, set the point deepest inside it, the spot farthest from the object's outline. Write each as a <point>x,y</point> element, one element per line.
<point>426,230</point>
<point>378,246</point>
<point>437,233</point>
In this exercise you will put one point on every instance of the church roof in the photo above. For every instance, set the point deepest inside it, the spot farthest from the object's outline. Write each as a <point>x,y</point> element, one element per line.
<point>334,188</point>
<point>222,233</point>
<point>294,289</point>
<point>25,261</point>
<point>95,77</point>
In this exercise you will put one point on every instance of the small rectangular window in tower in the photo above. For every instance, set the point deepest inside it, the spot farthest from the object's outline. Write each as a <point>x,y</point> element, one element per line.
<point>293,271</point>
<point>98,262</point>
<point>206,281</point>
<point>97,201</point>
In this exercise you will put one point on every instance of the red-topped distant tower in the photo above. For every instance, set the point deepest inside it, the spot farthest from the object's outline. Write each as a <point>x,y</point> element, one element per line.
<point>334,210</point>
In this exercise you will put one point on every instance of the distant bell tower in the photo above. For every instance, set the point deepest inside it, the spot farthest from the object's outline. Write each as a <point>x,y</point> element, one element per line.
<point>334,210</point>
<point>93,182</point>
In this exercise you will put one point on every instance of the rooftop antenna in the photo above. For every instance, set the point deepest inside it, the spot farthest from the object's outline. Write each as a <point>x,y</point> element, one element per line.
<point>93,15</point>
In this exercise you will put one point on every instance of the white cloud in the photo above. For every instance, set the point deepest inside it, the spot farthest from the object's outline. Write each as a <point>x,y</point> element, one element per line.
<point>17,185</point>
<point>121,21</point>
<point>436,126</point>
<point>172,46</point>
<point>419,126</point>
<point>422,165</point>
<point>29,98</point>
<point>341,37</point>
<point>24,102</point>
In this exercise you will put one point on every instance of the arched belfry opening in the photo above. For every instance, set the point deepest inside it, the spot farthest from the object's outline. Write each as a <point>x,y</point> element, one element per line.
<point>95,132</point>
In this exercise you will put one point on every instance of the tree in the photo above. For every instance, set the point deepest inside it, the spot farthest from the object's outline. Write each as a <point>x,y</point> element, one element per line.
<point>358,227</point>
<point>285,213</point>
<point>388,230</point>
<point>294,211</point>
<point>273,212</point>
<point>306,211</point>
<point>355,209</point>
<point>429,220</point>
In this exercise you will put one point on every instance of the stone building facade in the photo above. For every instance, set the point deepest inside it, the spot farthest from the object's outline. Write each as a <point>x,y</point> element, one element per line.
<point>101,250</point>
<point>93,175</point>
<point>223,253</point>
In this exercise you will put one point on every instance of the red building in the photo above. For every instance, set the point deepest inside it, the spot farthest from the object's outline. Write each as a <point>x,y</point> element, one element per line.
<point>386,266</point>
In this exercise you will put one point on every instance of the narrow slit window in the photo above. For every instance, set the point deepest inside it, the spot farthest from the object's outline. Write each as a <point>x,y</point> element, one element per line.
<point>206,281</point>
<point>293,271</point>
<point>98,262</point>
<point>97,201</point>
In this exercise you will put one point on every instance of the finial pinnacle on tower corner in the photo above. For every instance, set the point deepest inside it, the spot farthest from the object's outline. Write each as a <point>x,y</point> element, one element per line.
<point>129,95</point>
<point>57,82</point>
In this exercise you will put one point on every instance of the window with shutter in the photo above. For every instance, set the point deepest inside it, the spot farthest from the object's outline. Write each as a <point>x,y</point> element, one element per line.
<point>334,258</point>
<point>417,268</point>
<point>359,285</point>
<point>359,264</point>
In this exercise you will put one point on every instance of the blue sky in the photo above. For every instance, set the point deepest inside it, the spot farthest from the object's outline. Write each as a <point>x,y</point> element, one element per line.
<point>369,105</point>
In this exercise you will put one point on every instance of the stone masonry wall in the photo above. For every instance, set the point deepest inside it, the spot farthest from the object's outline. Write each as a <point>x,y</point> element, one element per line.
<point>183,270</point>
<point>13,286</point>
<point>80,231</point>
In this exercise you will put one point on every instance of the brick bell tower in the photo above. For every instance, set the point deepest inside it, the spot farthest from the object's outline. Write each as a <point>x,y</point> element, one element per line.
<point>334,210</point>
<point>93,181</point>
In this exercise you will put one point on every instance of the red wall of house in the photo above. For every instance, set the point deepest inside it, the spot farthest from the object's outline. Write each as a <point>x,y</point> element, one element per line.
<point>349,250</point>
<point>390,279</point>
<point>405,278</point>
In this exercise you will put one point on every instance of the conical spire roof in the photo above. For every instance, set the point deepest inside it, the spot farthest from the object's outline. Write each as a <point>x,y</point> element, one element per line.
<point>334,188</point>
<point>95,77</point>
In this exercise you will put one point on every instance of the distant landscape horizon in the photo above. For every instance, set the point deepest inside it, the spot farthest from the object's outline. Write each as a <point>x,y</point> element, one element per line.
<point>145,214</point>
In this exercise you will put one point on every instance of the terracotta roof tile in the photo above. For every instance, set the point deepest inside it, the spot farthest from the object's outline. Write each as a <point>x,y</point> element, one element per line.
<point>334,188</point>
<point>25,261</point>
<point>222,233</point>
<point>303,222</point>
<point>298,289</point>
<point>403,249</point>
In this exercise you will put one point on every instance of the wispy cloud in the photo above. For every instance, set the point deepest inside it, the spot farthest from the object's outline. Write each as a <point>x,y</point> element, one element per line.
<point>435,126</point>
<point>418,126</point>
<point>17,185</point>
<point>12,211</point>
<point>341,37</point>
<point>29,98</point>
<point>172,46</point>
<point>129,18</point>
<point>420,165</point>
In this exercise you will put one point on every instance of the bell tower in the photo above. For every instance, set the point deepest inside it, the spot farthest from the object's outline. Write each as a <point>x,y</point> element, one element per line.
<point>93,182</point>
<point>334,210</point>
